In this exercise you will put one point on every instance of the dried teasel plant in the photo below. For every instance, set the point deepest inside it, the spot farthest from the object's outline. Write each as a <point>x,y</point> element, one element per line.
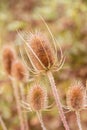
<point>38,101</point>
<point>76,100</point>
<point>21,75</point>
<point>8,57</point>
<point>44,60</point>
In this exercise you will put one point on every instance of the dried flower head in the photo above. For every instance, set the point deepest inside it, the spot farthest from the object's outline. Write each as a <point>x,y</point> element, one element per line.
<point>37,98</point>
<point>19,71</point>
<point>42,49</point>
<point>8,56</point>
<point>76,96</point>
<point>41,53</point>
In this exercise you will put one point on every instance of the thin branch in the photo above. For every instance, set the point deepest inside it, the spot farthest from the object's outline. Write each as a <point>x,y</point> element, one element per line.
<point>3,124</point>
<point>17,99</point>
<point>78,120</point>
<point>23,98</point>
<point>57,99</point>
<point>41,120</point>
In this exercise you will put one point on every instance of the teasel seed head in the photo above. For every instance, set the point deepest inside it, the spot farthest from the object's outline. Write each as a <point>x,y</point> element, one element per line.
<point>42,49</point>
<point>37,98</point>
<point>76,96</point>
<point>19,71</point>
<point>8,56</point>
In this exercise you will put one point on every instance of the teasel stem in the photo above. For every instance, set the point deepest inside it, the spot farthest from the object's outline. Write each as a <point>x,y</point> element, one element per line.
<point>78,120</point>
<point>2,124</point>
<point>39,115</point>
<point>17,99</point>
<point>57,99</point>
<point>21,86</point>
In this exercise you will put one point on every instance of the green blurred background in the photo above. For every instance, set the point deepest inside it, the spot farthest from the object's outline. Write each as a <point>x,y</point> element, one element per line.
<point>67,20</point>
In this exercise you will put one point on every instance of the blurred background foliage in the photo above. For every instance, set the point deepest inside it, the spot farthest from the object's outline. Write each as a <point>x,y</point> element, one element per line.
<point>67,20</point>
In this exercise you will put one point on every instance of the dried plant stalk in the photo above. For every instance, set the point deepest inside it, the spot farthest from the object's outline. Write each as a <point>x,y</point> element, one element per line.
<point>41,120</point>
<point>78,120</point>
<point>17,99</point>
<point>23,99</point>
<point>2,124</point>
<point>57,99</point>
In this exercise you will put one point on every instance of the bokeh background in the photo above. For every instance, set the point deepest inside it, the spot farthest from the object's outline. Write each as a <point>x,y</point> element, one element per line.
<point>67,20</point>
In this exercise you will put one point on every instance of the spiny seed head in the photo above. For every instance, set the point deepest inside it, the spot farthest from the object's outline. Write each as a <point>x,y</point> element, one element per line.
<point>37,98</point>
<point>41,47</point>
<point>19,71</point>
<point>76,96</point>
<point>8,56</point>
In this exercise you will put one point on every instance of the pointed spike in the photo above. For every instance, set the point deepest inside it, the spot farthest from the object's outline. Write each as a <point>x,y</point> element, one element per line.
<point>25,62</point>
<point>60,65</point>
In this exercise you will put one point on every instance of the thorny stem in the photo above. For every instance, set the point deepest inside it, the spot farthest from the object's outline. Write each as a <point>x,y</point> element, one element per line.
<point>41,120</point>
<point>57,99</point>
<point>17,99</point>
<point>78,120</point>
<point>23,99</point>
<point>2,124</point>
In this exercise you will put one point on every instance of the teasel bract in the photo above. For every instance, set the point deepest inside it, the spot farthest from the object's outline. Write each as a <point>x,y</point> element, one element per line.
<point>76,99</point>
<point>42,55</point>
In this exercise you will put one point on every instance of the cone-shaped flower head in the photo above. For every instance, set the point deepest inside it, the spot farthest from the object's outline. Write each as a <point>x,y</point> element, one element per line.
<point>37,98</point>
<point>42,54</point>
<point>8,56</point>
<point>19,71</point>
<point>76,96</point>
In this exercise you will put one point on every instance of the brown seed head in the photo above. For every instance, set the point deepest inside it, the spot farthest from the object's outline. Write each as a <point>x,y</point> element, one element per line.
<point>76,97</point>
<point>41,47</point>
<point>19,71</point>
<point>38,98</point>
<point>8,56</point>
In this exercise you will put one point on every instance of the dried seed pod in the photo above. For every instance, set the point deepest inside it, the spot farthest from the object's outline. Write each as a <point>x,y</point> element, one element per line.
<point>37,98</point>
<point>76,96</point>
<point>42,49</point>
<point>8,56</point>
<point>19,71</point>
